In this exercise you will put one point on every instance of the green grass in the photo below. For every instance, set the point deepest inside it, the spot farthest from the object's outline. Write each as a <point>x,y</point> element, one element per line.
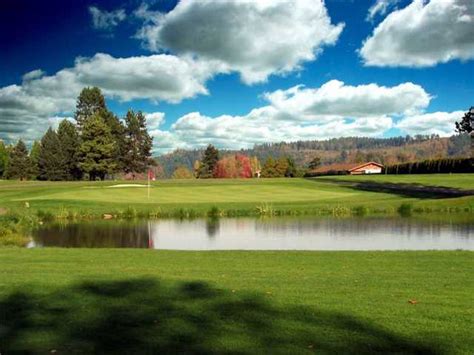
<point>190,198</point>
<point>140,301</point>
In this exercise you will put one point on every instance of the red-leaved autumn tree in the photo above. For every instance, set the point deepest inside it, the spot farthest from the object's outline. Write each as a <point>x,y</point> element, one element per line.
<point>233,166</point>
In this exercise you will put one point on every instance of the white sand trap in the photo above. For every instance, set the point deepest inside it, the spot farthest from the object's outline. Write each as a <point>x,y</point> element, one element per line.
<point>127,185</point>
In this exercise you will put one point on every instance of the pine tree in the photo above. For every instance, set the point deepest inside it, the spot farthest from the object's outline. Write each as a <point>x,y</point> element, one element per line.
<point>209,162</point>
<point>291,170</point>
<point>52,161</point>
<point>138,143</point>
<point>314,163</point>
<point>19,163</point>
<point>97,148</point>
<point>3,158</point>
<point>118,132</point>
<point>34,156</point>
<point>89,102</point>
<point>69,142</point>
<point>466,125</point>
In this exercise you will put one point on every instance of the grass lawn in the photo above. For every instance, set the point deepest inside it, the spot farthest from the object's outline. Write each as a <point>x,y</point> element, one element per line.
<point>286,196</point>
<point>143,301</point>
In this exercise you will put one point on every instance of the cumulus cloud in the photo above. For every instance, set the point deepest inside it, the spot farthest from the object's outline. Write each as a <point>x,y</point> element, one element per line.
<point>154,119</point>
<point>441,123</point>
<point>254,38</point>
<point>106,20</point>
<point>380,7</point>
<point>336,98</point>
<point>34,74</point>
<point>333,110</point>
<point>39,97</point>
<point>423,34</point>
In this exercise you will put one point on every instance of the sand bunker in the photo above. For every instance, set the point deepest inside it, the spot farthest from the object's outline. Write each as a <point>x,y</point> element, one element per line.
<point>128,185</point>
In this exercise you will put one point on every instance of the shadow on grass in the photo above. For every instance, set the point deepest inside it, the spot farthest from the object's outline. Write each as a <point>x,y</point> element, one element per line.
<point>144,316</point>
<point>409,190</point>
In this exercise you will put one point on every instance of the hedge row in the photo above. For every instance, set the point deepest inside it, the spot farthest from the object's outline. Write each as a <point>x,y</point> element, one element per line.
<point>437,166</point>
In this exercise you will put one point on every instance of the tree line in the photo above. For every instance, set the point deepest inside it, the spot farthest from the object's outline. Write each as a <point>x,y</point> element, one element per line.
<point>96,145</point>
<point>238,165</point>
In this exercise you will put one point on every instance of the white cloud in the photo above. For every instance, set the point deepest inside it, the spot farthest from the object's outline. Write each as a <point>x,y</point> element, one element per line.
<point>25,109</point>
<point>254,38</point>
<point>333,110</point>
<point>423,34</point>
<point>442,123</point>
<point>154,119</point>
<point>34,74</point>
<point>106,20</point>
<point>380,7</point>
<point>336,98</point>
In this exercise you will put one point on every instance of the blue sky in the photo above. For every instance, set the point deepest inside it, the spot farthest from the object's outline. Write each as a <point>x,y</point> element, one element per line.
<point>235,73</point>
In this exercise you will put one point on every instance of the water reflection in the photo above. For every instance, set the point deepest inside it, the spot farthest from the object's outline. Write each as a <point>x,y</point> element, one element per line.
<point>264,234</point>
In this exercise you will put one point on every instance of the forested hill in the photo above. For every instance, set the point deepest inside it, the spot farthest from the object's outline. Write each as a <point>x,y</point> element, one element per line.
<point>350,149</point>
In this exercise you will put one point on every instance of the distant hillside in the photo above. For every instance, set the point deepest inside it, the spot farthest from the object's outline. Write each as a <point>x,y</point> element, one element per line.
<point>340,150</point>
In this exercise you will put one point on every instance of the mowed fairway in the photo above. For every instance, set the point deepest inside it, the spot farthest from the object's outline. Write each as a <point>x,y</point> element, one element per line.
<point>146,301</point>
<point>284,194</point>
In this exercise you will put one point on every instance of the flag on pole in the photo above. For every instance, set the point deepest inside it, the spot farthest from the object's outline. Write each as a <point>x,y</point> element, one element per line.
<point>149,178</point>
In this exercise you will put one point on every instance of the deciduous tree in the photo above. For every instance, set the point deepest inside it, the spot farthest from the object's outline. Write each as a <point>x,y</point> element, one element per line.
<point>182,172</point>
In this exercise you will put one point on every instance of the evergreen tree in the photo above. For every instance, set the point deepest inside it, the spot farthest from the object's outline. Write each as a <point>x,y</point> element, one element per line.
<point>466,125</point>
<point>209,162</point>
<point>97,148</point>
<point>3,159</point>
<point>89,102</point>
<point>52,161</point>
<point>291,170</point>
<point>34,156</point>
<point>69,142</point>
<point>138,143</point>
<point>314,163</point>
<point>19,163</point>
<point>118,132</point>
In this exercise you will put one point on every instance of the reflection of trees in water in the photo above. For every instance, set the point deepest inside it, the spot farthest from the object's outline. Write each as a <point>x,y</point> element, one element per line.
<point>110,234</point>
<point>364,226</point>
<point>212,226</point>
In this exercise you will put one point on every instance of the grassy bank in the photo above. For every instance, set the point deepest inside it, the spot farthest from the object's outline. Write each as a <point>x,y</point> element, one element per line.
<point>345,195</point>
<point>215,302</point>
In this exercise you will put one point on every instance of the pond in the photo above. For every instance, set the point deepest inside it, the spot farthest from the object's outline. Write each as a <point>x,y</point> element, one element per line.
<point>263,234</point>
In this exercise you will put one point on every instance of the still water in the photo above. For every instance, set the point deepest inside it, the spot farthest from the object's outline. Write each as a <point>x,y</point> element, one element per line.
<point>263,234</point>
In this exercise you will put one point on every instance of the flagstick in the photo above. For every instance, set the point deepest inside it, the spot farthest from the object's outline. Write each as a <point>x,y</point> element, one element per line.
<point>148,174</point>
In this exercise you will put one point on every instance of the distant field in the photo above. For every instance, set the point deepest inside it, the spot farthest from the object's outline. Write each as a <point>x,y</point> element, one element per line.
<point>119,301</point>
<point>285,195</point>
